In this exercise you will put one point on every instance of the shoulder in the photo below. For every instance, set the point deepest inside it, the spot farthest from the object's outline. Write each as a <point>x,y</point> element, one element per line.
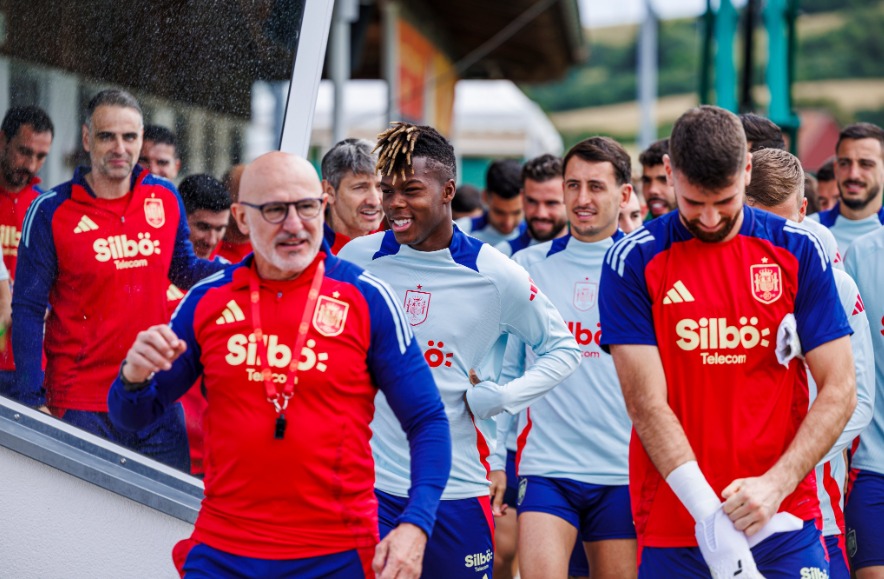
<point>470,224</point>
<point>217,280</point>
<point>829,216</point>
<point>641,245</point>
<point>43,208</point>
<point>540,252</point>
<point>149,180</point>
<point>362,250</point>
<point>869,242</point>
<point>794,237</point>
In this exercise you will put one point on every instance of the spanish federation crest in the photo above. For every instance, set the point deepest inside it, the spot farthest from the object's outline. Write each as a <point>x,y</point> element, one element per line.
<point>585,293</point>
<point>417,306</point>
<point>767,282</point>
<point>330,316</point>
<point>154,213</point>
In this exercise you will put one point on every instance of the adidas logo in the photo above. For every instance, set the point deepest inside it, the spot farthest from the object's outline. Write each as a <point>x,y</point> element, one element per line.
<point>85,225</point>
<point>859,307</point>
<point>677,294</point>
<point>231,313</point>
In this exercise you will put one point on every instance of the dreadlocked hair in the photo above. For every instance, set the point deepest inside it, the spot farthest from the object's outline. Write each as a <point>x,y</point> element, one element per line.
<point>402,142</point>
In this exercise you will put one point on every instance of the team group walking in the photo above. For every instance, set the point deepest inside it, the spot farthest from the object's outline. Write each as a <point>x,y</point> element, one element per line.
<point>580,371</point>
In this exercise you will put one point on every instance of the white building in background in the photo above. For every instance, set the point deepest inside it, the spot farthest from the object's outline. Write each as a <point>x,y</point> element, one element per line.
<point>492,119</point>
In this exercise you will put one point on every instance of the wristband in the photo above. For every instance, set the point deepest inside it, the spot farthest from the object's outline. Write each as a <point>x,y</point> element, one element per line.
<point>692,489</point>
<point>133,386</point>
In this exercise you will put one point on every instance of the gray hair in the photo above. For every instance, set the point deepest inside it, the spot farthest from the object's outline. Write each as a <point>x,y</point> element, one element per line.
<point>350,155</point>
<point>111,97</point>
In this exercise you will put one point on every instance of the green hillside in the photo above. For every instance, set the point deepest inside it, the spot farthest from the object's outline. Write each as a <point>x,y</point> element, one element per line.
<point>837,39</point>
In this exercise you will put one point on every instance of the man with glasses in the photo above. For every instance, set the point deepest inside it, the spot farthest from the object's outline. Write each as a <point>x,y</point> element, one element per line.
<point>289,485</point>
<point>99,251</point>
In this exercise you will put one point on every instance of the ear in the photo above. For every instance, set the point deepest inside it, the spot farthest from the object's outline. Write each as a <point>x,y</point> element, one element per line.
<point>802,211</point>
<point>85,133</point>
<point>239,216</point>
<point>748,169</point>
<point>667,165</point>
<point>448,191</point>
<point>625,194</point>
<point>177,165</point>
<point>329,191</point>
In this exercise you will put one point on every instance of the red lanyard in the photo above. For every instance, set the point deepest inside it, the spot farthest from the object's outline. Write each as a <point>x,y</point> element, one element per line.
<point>280,400</point>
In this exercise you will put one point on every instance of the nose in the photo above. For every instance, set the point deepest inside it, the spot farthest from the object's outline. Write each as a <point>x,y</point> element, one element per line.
<point>709,217</point>
<point>292,222</point>
<point>374,195</point>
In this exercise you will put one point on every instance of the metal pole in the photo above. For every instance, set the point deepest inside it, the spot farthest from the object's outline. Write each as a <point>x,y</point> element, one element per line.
<point>306,73</point>
<point>647,77</point>
<point>725,70</point>
<point>346,12</point>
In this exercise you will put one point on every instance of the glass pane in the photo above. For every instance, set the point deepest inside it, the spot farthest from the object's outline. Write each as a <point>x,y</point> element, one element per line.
<point>211,72</point>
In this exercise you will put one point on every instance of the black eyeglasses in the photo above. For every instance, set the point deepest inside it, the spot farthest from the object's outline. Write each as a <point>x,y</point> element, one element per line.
<point>277,211</point>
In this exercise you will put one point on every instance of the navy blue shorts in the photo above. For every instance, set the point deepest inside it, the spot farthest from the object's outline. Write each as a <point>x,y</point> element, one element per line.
<point>598,512</point>
<point>164,441</point>
<point>835,546</point>
<point>781,556</point>
<point>864,517</point>
<point>511,494</point>
<point>203,562</point>
<point>462,543</point>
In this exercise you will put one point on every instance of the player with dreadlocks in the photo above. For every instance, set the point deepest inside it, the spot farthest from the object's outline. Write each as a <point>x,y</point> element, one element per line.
<point>461,297</point>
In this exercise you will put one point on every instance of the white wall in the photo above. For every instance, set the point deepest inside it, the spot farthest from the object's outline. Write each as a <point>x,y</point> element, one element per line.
<point>54,525</point>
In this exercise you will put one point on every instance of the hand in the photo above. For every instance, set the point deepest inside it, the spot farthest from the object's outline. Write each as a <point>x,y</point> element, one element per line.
<point>724,548</point>
<point>401,554</point>
<point>498,488</point>
<point>484,399</point>
<point>474,379</point>
<point>154,350</point>
<point>751,502</point>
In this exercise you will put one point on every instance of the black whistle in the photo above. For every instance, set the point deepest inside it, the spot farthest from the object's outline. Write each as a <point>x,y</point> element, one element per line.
<point>279,432</point>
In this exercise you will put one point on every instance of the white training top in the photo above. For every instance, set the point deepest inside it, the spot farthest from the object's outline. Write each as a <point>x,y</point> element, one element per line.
<point>480,228</point>
<point>865,263</point>
<point>462,302</point>
<point>580,430</point>
<point>846,231</point>
<point>830,479</point>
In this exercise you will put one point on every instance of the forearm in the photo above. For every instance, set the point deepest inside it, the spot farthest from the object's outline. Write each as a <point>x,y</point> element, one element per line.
<point>27,347</point>
<point>430,446</point>
<point>655,423</point>
<point>488,399</point>
<point>133,411</point>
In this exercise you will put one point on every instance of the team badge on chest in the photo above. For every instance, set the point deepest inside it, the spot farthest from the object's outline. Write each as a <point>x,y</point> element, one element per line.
<point>417,306</point>
<point>154,213</point>
<point>330,316</point>
<point>585,293</point>
<point>767,282</point>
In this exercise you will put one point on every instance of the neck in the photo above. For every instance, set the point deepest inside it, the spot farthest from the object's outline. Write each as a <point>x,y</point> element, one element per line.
<point>439,239</point>
<point>10,188</point>
<point>867,211</point>
<point>272,273</point>
<point>107,188</point>
<point>342,228</point>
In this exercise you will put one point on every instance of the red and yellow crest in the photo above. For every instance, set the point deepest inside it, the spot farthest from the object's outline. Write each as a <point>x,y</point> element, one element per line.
<point>330,316</point>
<point>767,282</point>
<point>154,213</point>
<point>417,306</point>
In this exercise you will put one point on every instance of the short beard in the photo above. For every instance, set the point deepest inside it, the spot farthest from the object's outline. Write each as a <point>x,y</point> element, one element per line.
<point>710,237</point>
<point>857,204</point>
<point>551,235</point>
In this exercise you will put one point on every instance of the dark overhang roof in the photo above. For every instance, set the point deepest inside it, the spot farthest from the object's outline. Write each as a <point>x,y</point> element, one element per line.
<point>209,52</point>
